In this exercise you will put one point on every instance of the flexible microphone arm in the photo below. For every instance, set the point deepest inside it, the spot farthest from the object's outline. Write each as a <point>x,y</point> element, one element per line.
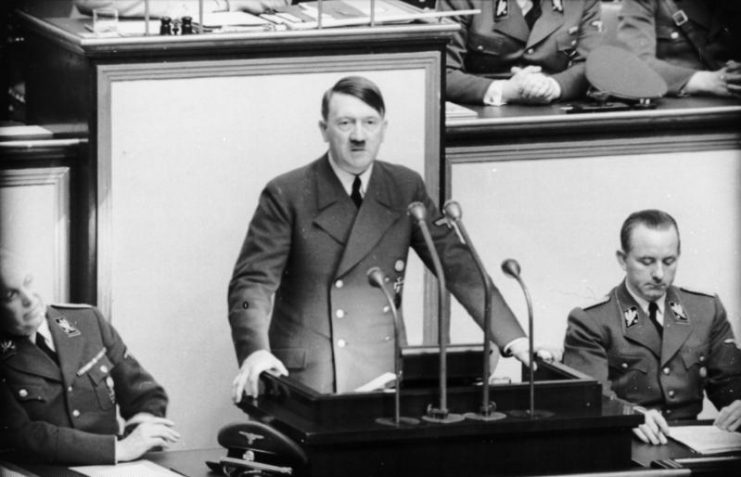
<point>453,212</point>
<point>511,268</point>
<point>418,212</point>
<point>377,279</point>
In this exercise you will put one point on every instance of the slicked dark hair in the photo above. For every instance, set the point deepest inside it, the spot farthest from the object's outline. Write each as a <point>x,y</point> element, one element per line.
<point>651,218</point>
<point>362,88</point>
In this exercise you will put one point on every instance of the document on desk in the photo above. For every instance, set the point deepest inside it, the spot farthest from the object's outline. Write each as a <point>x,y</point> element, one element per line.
<point>140,468</point>
<point>707,439</point>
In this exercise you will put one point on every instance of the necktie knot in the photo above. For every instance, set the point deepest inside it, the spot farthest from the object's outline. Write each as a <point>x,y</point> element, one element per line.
<point>356,196</point>
<point>41,343</point>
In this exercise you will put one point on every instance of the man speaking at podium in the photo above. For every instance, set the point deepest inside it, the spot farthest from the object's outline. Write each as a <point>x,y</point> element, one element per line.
<point>654,344</point>
<point>299,298</point>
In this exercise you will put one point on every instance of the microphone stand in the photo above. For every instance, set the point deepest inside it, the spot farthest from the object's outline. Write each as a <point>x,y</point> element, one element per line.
<point>439,415</point>
<point>487,412</point>
<point>512,269</point>
<point>377,279</point>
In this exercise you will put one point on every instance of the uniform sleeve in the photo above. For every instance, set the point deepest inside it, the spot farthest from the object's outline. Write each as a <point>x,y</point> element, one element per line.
<point>637,30</point>
<point>136,390</point>
<point>723,385</point>
<point>462,87</point>
<point>41,441</point>
<point>572,80</point>
<point>585,349</point>
<point>258,271</point>
<point>461,275</point>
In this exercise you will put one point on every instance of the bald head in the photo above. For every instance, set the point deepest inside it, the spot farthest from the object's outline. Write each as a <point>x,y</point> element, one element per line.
<point>21,309</point>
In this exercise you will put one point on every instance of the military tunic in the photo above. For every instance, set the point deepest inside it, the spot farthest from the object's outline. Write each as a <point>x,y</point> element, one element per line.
<point>649,31</point>
<point>310,248</point>
<point>615,342</point>
<point>490,43</point>
<point>66,413</point>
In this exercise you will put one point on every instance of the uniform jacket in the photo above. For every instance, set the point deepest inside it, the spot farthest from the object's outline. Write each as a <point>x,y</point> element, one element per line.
<point>489,46</point>
<point>647,29</point>
<point>305,244</point>
<point>616,343</point>
<point>66,413</point>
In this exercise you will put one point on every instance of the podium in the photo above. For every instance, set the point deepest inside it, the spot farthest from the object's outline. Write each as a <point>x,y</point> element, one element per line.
<point>586,433</point>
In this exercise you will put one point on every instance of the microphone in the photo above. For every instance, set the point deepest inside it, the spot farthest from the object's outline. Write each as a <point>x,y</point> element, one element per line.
<point>453,212</point>
<point>377,279</point>
<point>511,268</point>
<point>418,212</point>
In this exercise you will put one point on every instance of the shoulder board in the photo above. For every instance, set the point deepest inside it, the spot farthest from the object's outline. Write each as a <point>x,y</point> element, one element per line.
<point>697,292</point>
<point>71,305</point>
<point>600,301</point>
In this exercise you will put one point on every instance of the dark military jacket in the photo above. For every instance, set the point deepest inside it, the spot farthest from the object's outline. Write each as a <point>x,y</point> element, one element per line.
<point>309,247</point>
<point>488,45</point>
<point>646,27</point>
<point>616,343</point>
<point>66,413</point>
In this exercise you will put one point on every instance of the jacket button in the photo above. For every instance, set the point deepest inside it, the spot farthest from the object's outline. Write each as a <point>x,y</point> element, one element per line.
<point>341,343</point>
<point>104,369</point>
<point>69,389</point>
<point>480,47</point>
<point>339,283</point>
<point>671,393</point>
<point>76,413</point>
<point>529,51</point>
<point>386,309</point>
<point>625,365</point>
<point>666,370</point>
<point>702,358</point>
<point>23,393</point>
<point>674,35</point>
<point>339,313</point>
<point>386,338</point>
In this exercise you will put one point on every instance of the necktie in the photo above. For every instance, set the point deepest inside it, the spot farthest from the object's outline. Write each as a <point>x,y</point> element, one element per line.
<point>355,195</point>
<point>41,343</point>
<point>532,15</point>
<point>652,309</point>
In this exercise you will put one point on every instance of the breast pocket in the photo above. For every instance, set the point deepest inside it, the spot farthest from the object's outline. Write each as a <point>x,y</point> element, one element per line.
<point>628,374</point>
<point>102,383</point>
<point>35,398</point>
<point>695,361</point>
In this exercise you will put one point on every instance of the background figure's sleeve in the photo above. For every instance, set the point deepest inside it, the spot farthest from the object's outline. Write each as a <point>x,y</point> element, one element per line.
<point>47,442</point>
<point>461,275</point>
<point>637,30</point>
<point>258,271</point>
<point>585,349</point>
<point>572,80</point>
<point>460,86</point>
<point>723,383</point>
<point>136,389</point>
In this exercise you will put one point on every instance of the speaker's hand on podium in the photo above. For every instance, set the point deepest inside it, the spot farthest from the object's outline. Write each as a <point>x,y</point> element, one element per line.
<point>248,377</point>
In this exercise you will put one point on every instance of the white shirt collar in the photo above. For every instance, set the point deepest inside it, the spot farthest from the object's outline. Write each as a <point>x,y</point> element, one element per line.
<point>44,331</point>
<point>347,178</point>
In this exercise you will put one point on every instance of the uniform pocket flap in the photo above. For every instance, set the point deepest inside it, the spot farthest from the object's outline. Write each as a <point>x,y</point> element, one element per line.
<point>693,356</point>
<point>100,369</point>
<point>629,362</point>
<point>29,392</point>
<point>292,358</point>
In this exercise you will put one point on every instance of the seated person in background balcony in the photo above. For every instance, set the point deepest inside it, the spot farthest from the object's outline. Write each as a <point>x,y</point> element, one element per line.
<point>63,371</point>
<point>178,8</point>
<point>653,29</point>
<point>521,51</point>
<point>654,344</point>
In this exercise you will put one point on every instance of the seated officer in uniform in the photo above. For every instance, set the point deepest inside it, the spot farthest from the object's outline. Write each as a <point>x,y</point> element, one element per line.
<point>520,51</point>
<point>654,344</point>
<point>63,370</point>
<point>299,298</point>
<point>178,8</point>
<point>695,45</point>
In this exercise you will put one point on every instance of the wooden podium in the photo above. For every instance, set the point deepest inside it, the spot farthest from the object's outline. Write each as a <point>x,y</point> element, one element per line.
<point>586,432</point>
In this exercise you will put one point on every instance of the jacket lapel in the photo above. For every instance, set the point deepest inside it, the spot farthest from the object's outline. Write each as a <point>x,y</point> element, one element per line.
<point>550,20</point>
<point>26,357</point>
<point>636,325</point>
<point>335,210</point>
<point>678,326</point>
<point>513,24</point>
<point>375,216</point>
<point>69,343</point>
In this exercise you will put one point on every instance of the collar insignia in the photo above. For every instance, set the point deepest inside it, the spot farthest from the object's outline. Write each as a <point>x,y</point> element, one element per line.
<point>678,311</point>
<point>7,346</point>
<point>558,6</point>
<point>631,316</point>
<point>67,327</point>
<point>501,9</point>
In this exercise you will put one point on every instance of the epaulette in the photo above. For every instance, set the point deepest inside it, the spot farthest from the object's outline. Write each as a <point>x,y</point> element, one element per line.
<point>600,301</point>
<point>697,292</point>
<point>76,306</point>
